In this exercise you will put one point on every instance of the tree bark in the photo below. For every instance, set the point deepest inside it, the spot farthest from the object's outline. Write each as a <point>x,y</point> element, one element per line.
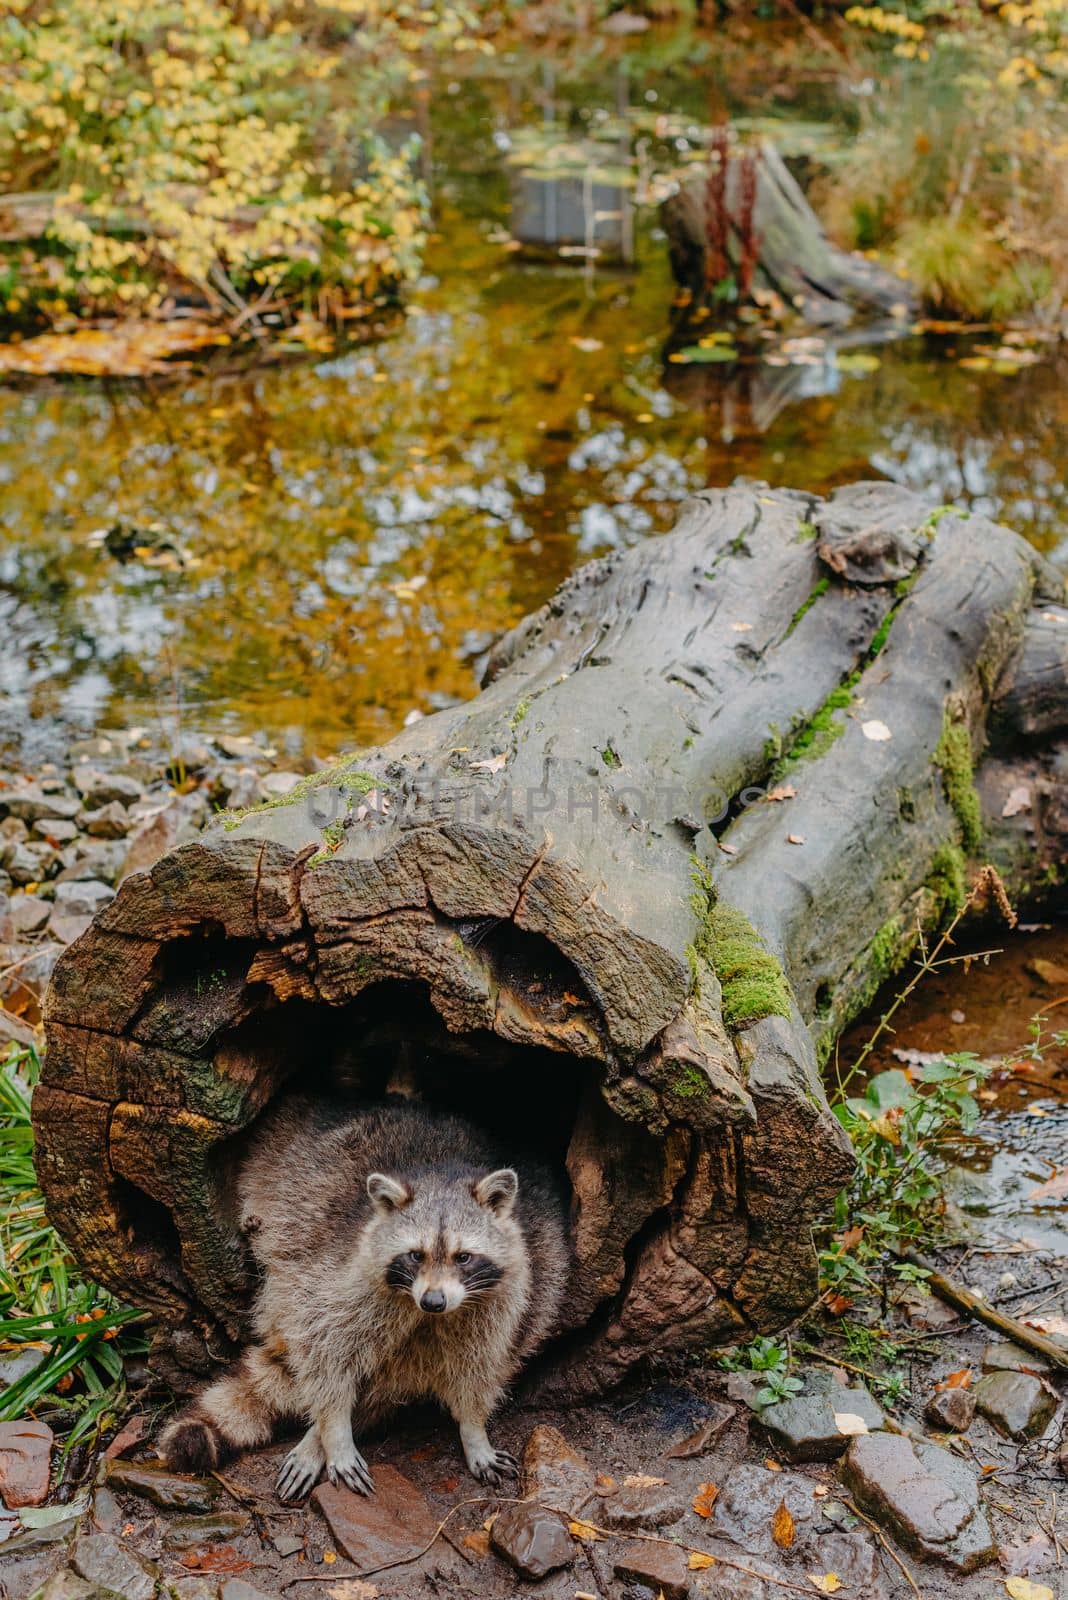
<point>712,228</point>
<point>616,906</point>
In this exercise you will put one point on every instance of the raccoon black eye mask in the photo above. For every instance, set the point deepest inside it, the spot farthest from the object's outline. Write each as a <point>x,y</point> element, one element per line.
<point>399,1259</point>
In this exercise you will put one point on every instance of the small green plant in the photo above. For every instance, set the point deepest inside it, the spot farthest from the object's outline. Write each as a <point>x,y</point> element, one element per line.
<point>80,1332</point>
<point>773,1361</point>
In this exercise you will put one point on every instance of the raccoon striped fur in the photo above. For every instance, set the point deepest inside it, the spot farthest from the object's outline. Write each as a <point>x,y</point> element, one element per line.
<point>399,1259</point>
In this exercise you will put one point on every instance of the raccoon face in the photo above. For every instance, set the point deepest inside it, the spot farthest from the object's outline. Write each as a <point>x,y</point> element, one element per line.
<point>445,1242</point>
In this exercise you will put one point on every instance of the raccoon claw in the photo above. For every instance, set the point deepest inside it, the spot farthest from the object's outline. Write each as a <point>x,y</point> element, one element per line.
<point>299,1474</point>
<point>355,1474</point>
<point>495,1468</point>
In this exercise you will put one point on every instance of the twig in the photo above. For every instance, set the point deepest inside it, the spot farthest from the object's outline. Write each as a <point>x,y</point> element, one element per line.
<point>884,1541</point>
<point>962,1299</point>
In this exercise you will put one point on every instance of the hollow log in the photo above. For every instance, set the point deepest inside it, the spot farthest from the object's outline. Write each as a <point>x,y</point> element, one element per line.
<point>755,226</point>
<point>614,909</point>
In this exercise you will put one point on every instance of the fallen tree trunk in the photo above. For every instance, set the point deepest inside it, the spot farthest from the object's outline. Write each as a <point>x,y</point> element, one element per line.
<point>612,907</point>
<point>743,228</point>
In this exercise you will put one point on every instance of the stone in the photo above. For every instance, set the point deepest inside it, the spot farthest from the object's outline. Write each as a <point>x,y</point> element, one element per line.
<point>97,859</point>
<point>67,929</point>
<point>193,1587</point>
<point>555,1473</point>
<point>660,1567</point>
<point>55,832</point>
<point>533,1539</point>
<point>925,1496</point>
<point>12,831</point>
<point>278,784</point>
<point>1017,1404</point>
<point>805,1429</point>
<point>109,822</point>
<point>29,863</point>
<point>287,1544</point>
<point>189,1533</point>
<point>240,747</point>
<point>705,1436</point>
<point>82,898</point>
<point>25,1463</point>
<point>100,1559</point>
<point>107,1513</point>
<point>31,804</point>
<point>160,828</point>
<point>1004,1357</point>
<point>853,1557</point>
<point>66,1585</point>
<point>25,914</point>
<point>238,1589</point>
<point>375,1531</point>
<point>951,1408</point>
<point>16,1364</point>
<point>245,789</point>
<point>748,1501</point>
<point>641,1505</point>
<point>102,788</point>
<point>169,1490</point>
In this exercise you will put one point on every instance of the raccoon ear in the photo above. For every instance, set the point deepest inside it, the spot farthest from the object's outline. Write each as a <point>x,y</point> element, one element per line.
<point>388,1194</point>
<point>498,1191</point>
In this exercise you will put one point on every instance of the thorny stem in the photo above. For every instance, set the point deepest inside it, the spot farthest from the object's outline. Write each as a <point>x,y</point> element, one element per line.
<point>987,881</point>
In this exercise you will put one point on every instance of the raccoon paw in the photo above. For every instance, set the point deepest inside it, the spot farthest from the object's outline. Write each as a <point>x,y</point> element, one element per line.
<point>300,1470</point>
<point>190,1444</point>
<point>351,1470</point>
<point>494,1467</point>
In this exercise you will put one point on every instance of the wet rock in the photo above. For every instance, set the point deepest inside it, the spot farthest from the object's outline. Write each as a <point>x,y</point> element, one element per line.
<point>55,832</point>
<point>189,1533</point>
<point>102,1560</point>
<point>25,1462</point>
<point>951,1408</point>
<point>853,1557</point>
<point>99,860</point>
<point>660,1567</point>
<point>1004,1357</point>
<point>109,822</point>
<point>66,1585</point>
<point>169,1490</point>
<point>16,1364</point>
<point>1017,1404</point>
<point>706,1436</point>
<point>31,804</point>
<point>533,1539</point>
<point>391,1525</point>
<point>925,1496</point>
<point>107,1513</point>
<point>99,788</point>
<point>555,1473</point>
<point>25,914</point>
<point>748,1501</point>
<point>641,1505</point>
<point>29,863</point>
<point>805,1428</point>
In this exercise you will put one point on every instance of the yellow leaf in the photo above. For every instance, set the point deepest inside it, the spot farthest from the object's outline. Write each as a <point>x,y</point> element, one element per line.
<point>849,1423</point>
<point>1023,1589</point>
<point>825,1582</point>
<point>330,1556</point>
<point>699,1561</point>
<point>782,1527</point>
<point>705,1499</point>
<point>584,1531</point>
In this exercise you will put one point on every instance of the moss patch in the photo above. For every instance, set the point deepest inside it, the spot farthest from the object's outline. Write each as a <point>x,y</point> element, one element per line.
<point>522,707</point>
<point>340,776</point>
<point>818,734</point>
<point>948,877</point>
<point>953,754</point>
<point>821,587</point>
<point>753,983</point>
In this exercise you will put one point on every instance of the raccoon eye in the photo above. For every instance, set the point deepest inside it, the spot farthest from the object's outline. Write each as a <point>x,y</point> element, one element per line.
<point>417,1256</point>
<point>462,1257</point>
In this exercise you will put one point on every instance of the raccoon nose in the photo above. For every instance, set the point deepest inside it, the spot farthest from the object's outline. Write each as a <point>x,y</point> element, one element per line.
<point>433,1300</point>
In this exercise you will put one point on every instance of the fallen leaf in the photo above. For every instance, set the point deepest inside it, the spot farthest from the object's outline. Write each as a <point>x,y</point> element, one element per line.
<point>875,730</point>
<point>849,1423</point>
<point>773,1466</point>
<point>699,1561</point>
<point>1027,1556</point>
<point>795,838</point>
<point>329,1556</point>
<point>741,627</point>
<point>133,349</point>
<point>478,1541</point>
<point>353,1589</point>
<point>782,1525</point>
<point>494,764</point>
<point>825,1582</point>
<point>128,1435</point>
<point>638,1480</point>
<point>838,1304</point>
<point>222,1559</point>
<point>1019,800</point>
<point>1024,1589</point>
<point>956,1380</point>
<point>781,791</point>
<point>851,1237</point>
<point>705,1498</point>
<point>1058,1326</point>
<point>728,849</point>
<point>587,346</point>
<point>605,1482</point>
<point>585,1531</point>
<point>821,1489</point>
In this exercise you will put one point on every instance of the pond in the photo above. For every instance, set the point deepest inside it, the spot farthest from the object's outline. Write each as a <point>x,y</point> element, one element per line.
<point>329,543</point>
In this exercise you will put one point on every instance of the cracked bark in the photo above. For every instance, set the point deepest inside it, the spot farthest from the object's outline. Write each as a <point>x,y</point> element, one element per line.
<point>509,922</point>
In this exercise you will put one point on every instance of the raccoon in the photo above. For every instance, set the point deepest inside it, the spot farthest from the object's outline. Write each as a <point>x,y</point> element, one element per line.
<point>399,1259</point>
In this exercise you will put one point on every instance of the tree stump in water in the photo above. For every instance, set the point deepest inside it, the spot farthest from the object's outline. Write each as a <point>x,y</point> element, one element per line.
<point>746,219</point>
<point>613,908</point>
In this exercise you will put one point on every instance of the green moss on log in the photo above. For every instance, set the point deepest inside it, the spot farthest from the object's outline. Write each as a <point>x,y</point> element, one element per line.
<point>953,755</point>
<point>340,776</point>
<point>752,981</point>
<point>948,878</point>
